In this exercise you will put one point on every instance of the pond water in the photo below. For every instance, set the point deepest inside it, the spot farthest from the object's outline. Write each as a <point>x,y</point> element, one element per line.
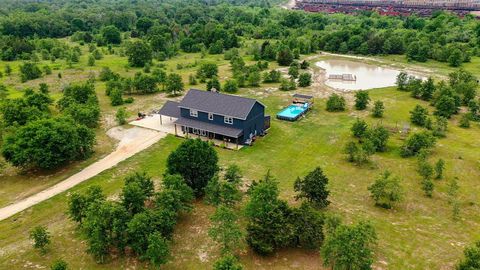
<point>366,76</point>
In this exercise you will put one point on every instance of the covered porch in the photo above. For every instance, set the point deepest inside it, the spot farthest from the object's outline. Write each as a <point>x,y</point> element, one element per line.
<point>225,137</point>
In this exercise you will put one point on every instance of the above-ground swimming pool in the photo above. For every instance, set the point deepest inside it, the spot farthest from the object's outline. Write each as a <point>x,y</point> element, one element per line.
<point>292,112</point>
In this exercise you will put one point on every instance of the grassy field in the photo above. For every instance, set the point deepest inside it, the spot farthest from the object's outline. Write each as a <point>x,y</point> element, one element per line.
<point>419,234</point>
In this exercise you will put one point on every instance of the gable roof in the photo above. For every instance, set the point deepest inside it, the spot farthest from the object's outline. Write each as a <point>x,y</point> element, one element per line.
<point>170,108</point>
<point>218,103</point>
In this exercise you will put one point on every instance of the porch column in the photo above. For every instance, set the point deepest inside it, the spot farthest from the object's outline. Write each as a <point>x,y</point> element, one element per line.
<point>175,129</point>
<point>236,147</point>
<point>161,120</point>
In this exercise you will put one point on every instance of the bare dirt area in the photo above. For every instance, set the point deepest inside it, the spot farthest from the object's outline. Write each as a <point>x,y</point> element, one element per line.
<point>131,141</point>
<point>290,4</point>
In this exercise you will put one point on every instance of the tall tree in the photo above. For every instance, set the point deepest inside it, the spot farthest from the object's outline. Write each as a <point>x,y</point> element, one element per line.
<point>139,53</point>
<point>350,247</point>
<point>196,161</point>
<point>174,84</point>
<point>313,188</point>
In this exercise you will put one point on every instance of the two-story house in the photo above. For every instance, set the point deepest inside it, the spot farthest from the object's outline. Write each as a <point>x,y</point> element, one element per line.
<point>218,116</point>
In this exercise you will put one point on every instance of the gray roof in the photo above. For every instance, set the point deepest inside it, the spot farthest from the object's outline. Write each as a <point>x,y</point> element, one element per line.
<point>170,108</point>
<point>218,129</point>
<point>302,96</point>
<point>218,103</point>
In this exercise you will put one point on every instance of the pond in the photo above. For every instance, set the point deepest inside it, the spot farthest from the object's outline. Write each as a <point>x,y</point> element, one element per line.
<point>356,75</point>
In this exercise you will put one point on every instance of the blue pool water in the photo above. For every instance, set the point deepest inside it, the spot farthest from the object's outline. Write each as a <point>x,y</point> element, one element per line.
<point>292,112</point>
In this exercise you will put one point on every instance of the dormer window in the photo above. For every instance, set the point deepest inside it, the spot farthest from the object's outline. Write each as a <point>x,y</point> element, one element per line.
<point>193,113</point>
<point>228,120</point>
<point>210,116</point>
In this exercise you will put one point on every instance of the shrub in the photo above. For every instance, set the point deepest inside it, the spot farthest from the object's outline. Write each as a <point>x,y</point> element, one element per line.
<point>464,121</point>
<point>59,265</point>
<point>439,127</point>
<point>107,74</point>
<point>41,238</point>
<point>336,103</point>
<point>207,71</point>
<point>284,56</point>
<point>158,251</point>
<point>227,262</point>
<point>361,100</point>
<point>359,153</point>
<point>378,136</point>
<point>213,83</point>
<point>120,116</point>
<point>386,190</point>
<point>287,85</point>
<point>378,109</point>
<point>305,80</point>
<point>225,229</point>
<point>116,98</point>
<point>359,128</point>
<point>91,61</point>
<point>471,259</point>
<point>29,71</point>
<point>293,70</point>
<point>417,142</point>
<point>419,116</point>
<point>273,76</point>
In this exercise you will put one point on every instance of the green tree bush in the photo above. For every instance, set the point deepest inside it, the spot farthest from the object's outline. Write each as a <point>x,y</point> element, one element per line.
<point>41,238</point>
<point>350,247</point>
<point>386,190</point>
<point>305,80</point>
<point>196,161</point>
<point>336,103</point>
<point>361,100</point>
<point>48,143</point>
<point>378,109</point>
<point>313,188</point>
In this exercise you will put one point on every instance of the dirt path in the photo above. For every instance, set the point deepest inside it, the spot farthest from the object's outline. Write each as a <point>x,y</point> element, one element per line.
<point>131,142</point>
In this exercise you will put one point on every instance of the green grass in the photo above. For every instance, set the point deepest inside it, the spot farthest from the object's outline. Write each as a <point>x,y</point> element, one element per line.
<point>419,234</point>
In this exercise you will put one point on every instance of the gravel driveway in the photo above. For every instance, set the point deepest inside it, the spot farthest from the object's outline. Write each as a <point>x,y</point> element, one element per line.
<point>132,141</point>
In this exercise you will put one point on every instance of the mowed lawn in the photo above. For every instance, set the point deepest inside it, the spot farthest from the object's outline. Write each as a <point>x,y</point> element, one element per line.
<point>419,234</point>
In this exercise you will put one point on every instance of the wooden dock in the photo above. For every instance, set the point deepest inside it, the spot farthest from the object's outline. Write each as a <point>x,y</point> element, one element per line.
<point>343,77</point>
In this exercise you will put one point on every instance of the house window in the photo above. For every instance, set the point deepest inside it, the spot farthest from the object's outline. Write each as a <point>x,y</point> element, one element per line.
<point>228,120</point>
<point>210,116</point>
<point>194,113</point>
